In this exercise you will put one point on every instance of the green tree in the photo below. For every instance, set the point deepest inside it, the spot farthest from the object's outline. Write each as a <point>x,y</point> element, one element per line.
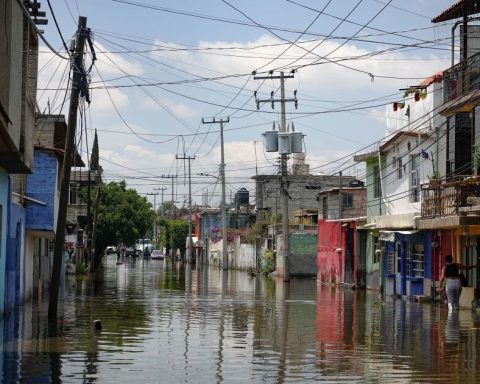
<point>94,159</point>
<point>123,215</point>
<point>174,235</point>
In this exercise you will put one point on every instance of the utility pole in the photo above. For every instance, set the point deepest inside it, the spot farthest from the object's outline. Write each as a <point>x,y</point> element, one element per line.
<point>162,189</point>
<point>159,235</point>
<point>283,164</point>
<point>224,200</point>
<point>173,177</point>
<point>154,194</point>
<point>190,242</point>
<point>340,214</point>
<point>77,68</point>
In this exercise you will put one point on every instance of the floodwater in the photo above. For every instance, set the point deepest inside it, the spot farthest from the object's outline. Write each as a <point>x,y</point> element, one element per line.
<point>165,323</point>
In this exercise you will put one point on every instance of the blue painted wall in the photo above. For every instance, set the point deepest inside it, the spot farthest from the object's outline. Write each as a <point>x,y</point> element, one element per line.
<point>4,189</point>
<point>400,279</point>
<point>41,186</point>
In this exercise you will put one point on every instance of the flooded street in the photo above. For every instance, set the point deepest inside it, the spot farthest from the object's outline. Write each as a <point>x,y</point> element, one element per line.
<point>164,324</point>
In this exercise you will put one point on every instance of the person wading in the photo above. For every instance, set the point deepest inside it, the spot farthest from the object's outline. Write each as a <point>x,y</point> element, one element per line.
<point>453,286</point>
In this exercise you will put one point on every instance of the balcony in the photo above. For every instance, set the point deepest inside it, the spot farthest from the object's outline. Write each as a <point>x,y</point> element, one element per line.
<point>462,79</point>
<point>450,203</point>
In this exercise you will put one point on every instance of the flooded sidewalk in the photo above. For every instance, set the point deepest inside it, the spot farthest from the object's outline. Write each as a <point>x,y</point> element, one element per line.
<point>173,323</point>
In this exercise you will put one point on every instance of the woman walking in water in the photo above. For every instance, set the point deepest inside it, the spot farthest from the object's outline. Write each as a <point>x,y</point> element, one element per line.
<point>453,286</point>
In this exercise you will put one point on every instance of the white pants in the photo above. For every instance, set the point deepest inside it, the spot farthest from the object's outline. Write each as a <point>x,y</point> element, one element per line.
<point>454,290</point>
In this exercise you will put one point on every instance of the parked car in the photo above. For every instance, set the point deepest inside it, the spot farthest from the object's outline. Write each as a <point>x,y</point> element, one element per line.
<point>129,251</point>
<point>157,254</point>
<point>111,249</point>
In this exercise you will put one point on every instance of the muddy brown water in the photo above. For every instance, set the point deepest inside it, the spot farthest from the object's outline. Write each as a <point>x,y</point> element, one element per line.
<point>165,323</point>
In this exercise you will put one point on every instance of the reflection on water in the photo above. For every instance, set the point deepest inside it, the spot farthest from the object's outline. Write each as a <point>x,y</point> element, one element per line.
<point>174,323</point>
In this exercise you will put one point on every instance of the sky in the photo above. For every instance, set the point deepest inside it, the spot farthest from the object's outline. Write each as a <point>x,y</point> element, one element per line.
<point>162,66</point>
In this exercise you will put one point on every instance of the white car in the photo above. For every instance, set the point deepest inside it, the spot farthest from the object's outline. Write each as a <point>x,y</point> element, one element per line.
<point>157,254</point>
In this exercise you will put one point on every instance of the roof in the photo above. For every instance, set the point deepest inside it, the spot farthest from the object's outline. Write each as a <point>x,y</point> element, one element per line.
<point>435,78</point>
<point>344,189</point>
<point>460,9</point>
<point>365,156</point>
<point>398,135</point>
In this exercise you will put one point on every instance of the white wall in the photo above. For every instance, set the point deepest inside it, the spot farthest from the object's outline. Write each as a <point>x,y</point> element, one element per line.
<point>240,256</point>
<point>398,190</point>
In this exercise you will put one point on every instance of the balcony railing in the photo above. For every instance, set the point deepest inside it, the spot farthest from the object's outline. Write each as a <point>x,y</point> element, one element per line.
<point>461,78</point>
<point>446,198</point>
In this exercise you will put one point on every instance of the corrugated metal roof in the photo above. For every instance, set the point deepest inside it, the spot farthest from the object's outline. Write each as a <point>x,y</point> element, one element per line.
<point>459,9</point>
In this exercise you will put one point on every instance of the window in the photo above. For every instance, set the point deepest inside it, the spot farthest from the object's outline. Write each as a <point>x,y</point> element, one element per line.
<point>390,262</point>
<point>417,260</point>
<point>414,178</point>
<point>347,200</point>
<point>399,168</point>
<point>398,256</point>
<point>459,137</point>
<point>377,187</point>
<point>408,261</point>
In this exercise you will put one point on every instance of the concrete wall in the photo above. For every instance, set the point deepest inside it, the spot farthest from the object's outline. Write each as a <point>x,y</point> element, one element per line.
<point>375,205</point>
<point>399,188</point>
<point>240,256</point>
<point>303,254</point>
<point>373,269</point>
<point>302,189</point>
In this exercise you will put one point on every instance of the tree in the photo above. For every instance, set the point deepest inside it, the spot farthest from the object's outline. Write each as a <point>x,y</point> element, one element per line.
<point>174,235</point>
<point>123,215</point>
<point>94,159</point>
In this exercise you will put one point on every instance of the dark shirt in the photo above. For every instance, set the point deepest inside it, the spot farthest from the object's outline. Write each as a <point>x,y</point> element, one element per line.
<point>451,270</point>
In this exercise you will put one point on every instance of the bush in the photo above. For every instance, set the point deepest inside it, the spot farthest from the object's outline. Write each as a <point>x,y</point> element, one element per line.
<point>268,262</point>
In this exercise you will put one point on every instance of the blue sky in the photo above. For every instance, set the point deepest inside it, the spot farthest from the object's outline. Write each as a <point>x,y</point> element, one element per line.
<point>139,127</point>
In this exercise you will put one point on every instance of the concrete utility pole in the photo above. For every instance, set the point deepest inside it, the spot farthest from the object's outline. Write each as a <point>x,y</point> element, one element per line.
<point>224,200</point>
<point>154,194</point>
<point>283,166</point>
<point>77,68</point>
<point>173,177</point>
<point>162,189</point>
<point>190,242</point>
<point>159,235</point>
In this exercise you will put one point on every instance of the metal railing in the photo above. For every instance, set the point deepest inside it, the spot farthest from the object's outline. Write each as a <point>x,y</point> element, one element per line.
<point>447,197</point>
<point>461,78</point>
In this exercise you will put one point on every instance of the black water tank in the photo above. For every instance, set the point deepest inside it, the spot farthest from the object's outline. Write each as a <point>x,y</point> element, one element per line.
<point>356,183</point>
<point>243,196</point>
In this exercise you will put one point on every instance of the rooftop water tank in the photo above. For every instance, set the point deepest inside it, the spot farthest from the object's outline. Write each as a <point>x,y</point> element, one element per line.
<point>243,196</point>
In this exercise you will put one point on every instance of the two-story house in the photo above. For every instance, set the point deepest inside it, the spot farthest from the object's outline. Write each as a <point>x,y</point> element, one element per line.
<point>18,83</point>
<point>339,258</point>
<point>400,259</point>
<point>43,193</point>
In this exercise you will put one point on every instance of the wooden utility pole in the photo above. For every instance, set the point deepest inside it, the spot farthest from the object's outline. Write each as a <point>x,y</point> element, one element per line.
<point>224,200</point>
<point>77,68</point>
<point>190,242</point>
<point>283,166</point>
